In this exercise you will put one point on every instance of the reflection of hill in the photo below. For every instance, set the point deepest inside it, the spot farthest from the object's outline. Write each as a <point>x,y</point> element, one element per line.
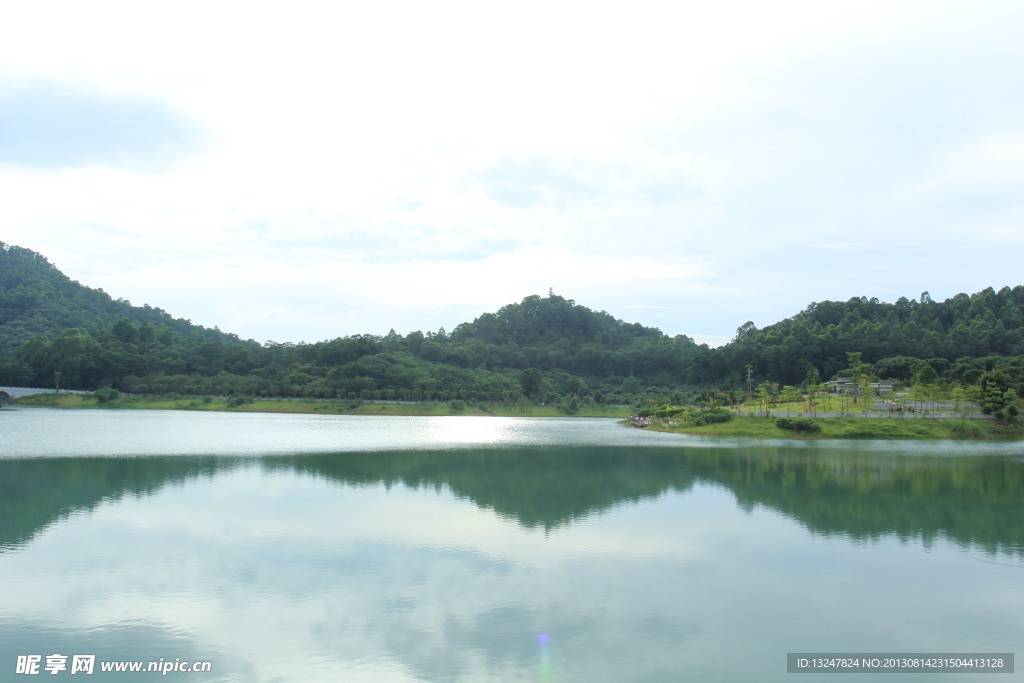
<point>537,487</point>
<point>975,501</point>
<point>35,493</point>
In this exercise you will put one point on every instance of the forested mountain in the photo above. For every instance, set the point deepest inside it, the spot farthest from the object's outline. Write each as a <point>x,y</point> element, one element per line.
<point>554,333</point>
<point>54,331</point>
<point>543,349</point>
<point>37,299</point>
<point>955,336</point>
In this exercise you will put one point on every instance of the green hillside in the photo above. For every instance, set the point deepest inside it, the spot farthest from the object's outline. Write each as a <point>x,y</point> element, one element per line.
<point>988,324</point>
<point>542,350</point>
<point>37,299</point>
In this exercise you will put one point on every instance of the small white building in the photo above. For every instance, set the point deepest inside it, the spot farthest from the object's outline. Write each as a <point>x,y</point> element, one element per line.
<point>839,385</point>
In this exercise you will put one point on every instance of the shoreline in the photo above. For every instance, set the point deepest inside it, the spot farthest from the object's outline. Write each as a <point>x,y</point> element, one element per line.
<point>308,407</point>
<point>895,428</point>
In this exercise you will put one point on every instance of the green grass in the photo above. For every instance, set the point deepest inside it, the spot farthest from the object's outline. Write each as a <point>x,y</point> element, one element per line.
<point>822,404</point>
<point>317,407</point>
<point>860,428</point>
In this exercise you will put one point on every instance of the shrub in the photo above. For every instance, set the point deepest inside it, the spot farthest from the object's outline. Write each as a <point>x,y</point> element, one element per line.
<point>801,424</point>
<point>699,418</point>
<point>806,425</point>
<point>106,394</point>
<point>717,415</point>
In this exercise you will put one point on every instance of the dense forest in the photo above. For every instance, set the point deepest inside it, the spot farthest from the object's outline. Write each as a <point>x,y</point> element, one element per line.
<point>55,332</point>
<point>36,300</point>
<point>982,330</point>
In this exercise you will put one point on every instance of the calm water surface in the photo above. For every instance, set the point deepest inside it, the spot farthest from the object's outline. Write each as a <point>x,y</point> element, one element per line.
<point>321,548</point>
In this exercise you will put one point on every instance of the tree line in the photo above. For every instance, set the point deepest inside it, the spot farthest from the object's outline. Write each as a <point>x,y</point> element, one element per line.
<point>55,332</point>
<point>542,350</point>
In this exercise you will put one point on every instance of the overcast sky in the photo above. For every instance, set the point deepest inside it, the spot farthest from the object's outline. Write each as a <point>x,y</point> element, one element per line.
<point>302,171</point>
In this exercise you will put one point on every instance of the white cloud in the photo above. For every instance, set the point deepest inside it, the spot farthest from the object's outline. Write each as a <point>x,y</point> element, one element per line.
<point>993,163</point>
<point>461,156</point>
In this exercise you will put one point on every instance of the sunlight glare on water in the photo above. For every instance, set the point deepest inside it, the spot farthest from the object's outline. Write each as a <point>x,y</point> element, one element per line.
<point>477,430</point>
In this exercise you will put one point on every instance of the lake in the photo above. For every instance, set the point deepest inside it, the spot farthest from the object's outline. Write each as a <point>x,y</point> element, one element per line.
<point>344,548</point>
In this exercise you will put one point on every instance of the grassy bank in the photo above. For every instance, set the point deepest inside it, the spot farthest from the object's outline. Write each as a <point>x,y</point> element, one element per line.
<point>858,428</point>
<point>831,427</point>
<point>317,407</point>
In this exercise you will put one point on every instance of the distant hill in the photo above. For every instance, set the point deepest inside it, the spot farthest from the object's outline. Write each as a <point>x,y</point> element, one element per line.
<point>538,321</point>
<point>954,335</point>
<point>554,332</point>
<point>37,299</point>
<point>54,331</point>
<point>544,349</point>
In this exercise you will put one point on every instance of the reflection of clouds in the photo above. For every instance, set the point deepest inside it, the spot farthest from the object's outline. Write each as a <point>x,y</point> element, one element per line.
<point>295,510</point>
<point>301,578</point>
<point>35,432</point>
<point>275,568</point>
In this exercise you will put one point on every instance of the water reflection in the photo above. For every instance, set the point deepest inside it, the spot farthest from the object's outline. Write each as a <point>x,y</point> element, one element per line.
<point>867,495</point>
<point>975,501</point>
<point>301,576</point>
<point>35,493</point>
<point>109,642</point>
<point>522,562</point>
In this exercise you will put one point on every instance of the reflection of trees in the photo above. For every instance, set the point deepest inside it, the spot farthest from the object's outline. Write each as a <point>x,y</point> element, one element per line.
<point>537,487</point>
<point>35,493</point>
<point>865,495</point>
<point>974,501</point>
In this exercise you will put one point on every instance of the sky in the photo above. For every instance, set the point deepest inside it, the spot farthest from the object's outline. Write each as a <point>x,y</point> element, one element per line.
<point>307,171</point>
